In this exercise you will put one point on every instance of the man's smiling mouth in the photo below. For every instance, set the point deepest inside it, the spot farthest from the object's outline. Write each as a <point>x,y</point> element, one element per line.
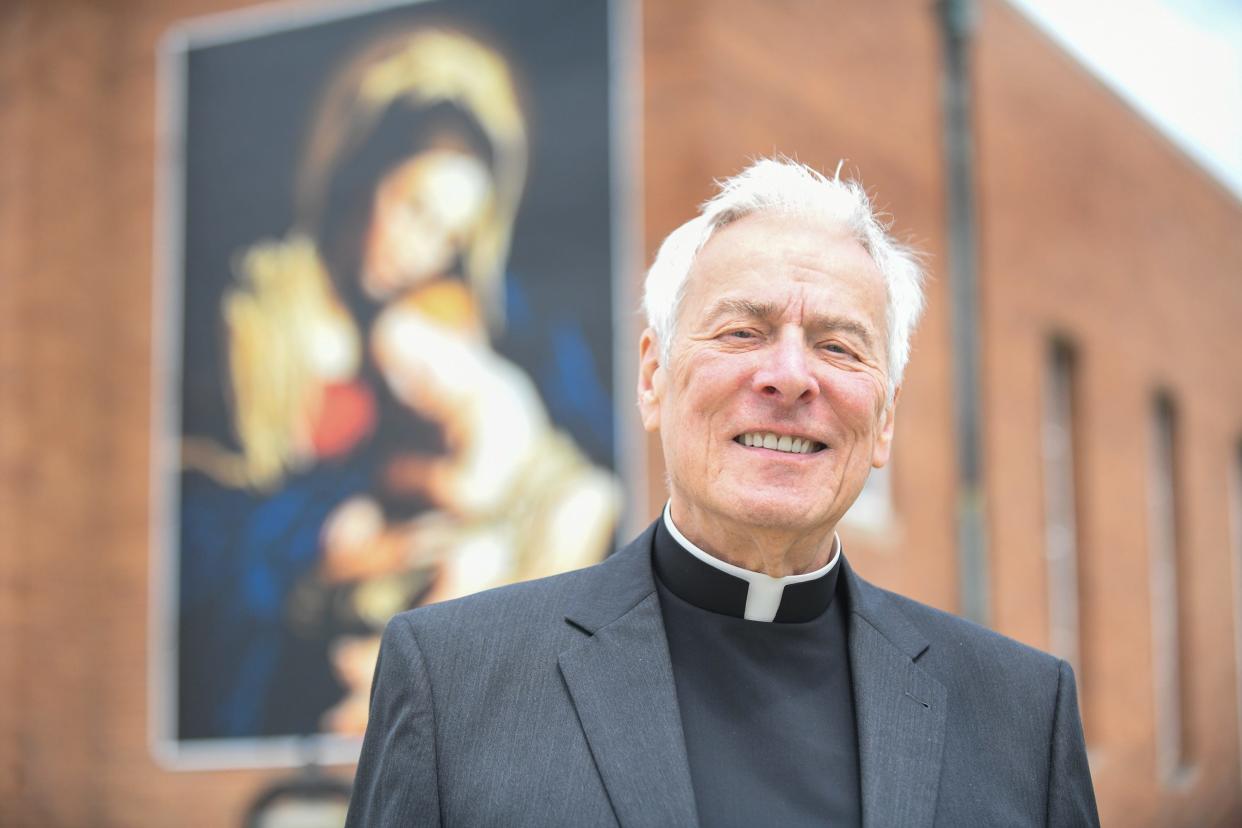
<point>779,442</point>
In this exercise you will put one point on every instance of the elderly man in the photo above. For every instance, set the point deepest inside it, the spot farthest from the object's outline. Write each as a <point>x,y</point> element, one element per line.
<point>728,667</point>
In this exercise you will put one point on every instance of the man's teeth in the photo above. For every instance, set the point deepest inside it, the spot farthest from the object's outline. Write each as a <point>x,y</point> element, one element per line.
<point>768,440</point>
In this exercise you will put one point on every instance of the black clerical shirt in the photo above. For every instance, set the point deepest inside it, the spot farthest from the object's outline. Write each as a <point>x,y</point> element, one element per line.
<point>766,707</point>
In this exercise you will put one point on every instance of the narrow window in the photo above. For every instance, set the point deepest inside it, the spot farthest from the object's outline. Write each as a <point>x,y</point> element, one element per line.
<point>1060,508</point>
<point>1173,748</point>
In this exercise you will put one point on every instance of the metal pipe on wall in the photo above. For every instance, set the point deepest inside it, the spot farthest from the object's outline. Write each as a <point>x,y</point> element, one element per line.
<point>957,22</point>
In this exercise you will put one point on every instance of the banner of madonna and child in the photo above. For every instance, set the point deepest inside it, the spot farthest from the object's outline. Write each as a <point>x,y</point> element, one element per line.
<point>390,235</point>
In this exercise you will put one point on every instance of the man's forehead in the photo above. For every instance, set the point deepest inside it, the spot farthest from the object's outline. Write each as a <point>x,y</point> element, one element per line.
<point>794,239</point>
<point>761,274</point>
<point>775,220</point>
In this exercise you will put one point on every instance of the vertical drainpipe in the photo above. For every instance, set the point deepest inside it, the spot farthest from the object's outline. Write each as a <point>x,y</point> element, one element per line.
<point>957,21</point>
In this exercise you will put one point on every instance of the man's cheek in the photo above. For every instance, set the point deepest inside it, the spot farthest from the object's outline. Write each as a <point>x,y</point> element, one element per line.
<point>860,400</point>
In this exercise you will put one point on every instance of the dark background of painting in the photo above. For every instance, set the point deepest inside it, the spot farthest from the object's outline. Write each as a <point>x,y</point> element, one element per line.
<point>251,103</point>
<point>250,106</point>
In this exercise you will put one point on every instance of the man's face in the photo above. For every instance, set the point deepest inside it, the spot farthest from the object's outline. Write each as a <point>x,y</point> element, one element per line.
<point>782,333</point>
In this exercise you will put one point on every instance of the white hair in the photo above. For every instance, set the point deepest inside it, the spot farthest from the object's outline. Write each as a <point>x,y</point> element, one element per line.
<point>780,185</point>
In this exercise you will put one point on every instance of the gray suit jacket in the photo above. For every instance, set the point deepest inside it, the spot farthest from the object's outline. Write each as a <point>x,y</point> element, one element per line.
<point>552,703</point>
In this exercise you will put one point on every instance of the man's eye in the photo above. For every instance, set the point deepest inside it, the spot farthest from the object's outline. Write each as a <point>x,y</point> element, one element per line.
<point>837,348</point>
<point>741,334</point>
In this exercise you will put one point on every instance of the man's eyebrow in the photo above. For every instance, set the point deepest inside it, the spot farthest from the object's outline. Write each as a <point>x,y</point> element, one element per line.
<point>750,309</point>
<point>845,324</point>
<point>729,306</point>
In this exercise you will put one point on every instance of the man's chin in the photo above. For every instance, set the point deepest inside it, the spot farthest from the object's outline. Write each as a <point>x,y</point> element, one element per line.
<point>775,511</point>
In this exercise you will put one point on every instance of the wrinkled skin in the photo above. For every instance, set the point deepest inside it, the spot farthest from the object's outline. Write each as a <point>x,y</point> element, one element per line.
<point>783,330</point>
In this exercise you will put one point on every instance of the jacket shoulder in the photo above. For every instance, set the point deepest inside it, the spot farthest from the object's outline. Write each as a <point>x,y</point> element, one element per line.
<point>522,605</point>
<point>964,655</point>
<point>615,583</point>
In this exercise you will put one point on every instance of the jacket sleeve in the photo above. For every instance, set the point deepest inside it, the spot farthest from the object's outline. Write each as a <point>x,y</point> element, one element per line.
<point>1071,797</point>
<point>397,780</point>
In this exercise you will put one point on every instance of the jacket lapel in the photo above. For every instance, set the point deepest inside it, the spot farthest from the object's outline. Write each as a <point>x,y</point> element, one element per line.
<point>900,711</point>
<point>621,681</point>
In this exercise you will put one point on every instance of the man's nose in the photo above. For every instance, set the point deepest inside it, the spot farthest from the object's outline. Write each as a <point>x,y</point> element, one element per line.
<point>785,371</point>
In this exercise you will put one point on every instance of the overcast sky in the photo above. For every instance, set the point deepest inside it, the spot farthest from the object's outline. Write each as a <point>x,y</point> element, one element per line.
<point>1178,62</point>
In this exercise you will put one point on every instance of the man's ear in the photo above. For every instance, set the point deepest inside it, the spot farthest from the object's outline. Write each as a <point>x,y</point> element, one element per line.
<point>650,380</point>
<point>884,440</point>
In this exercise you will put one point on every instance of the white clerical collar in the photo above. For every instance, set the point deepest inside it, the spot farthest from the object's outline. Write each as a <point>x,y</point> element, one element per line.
<point>763,594</point>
